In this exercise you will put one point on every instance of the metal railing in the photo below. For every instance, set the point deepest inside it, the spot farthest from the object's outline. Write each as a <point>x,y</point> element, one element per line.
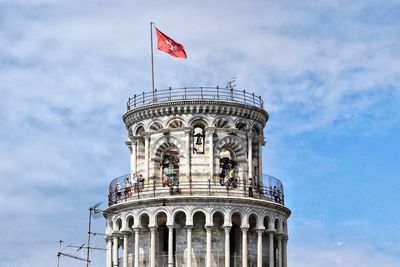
<point>194,93</point>
<point>119,191</point>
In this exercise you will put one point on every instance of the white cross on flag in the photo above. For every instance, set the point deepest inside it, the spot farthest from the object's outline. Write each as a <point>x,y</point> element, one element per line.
<point>170,46</point>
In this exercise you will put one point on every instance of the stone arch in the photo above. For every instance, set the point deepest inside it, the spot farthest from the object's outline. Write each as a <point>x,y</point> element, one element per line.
<point>266,221</point>
<point>129,221</point>
<point>142,220</point>
<point>253,221</point>
<point>222,122</point>
<point>277,224</point>
<point>234,144</point>
<point>241,124</point>
<point>138,129</point>
<point>157,213</point>
<point>218,218</point>
<point>164,143</point>
<point>202,210</point>
<point>176,122</point>
<point>155,125</point>
<point>176,211</point>
<point>199,121</point>
<point>257,128</point>
<point>118,224</point>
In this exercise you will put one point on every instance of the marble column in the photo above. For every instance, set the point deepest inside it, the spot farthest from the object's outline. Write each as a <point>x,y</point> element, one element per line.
<point>271,249</point>
<point>244,246</point>
<point>189,245</point>
<point>134,156</point>
<point>109,251</point>
<point>250,154</point>
<point>170,245</point>
<point>137,236</point>
<point>279,250</point>
<point>188,151</point>
<point>153,246</point>
<point>227,246</point>
<point>146,157</point>
<point>208,255</point>
<point>211,150</point>
<point>125,258</point>
<point>115,251</point>
<point>260,162</point>
<point>259,248</point>
<point>284,251</point>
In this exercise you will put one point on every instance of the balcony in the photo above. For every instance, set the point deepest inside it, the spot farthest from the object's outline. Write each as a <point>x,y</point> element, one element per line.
<point>194,93</point>
<point>120,190</point>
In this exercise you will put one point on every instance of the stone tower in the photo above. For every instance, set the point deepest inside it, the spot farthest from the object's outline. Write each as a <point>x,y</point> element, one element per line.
<point>196,194</point>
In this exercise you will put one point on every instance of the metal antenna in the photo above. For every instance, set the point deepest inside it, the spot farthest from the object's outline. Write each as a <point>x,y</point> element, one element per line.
<point>58,254</point>
<point>91,209</point>
<point>231,84</point>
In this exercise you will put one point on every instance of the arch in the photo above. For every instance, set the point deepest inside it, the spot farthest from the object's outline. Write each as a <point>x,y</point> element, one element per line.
<point>180,219</point>
<point>253,221</point>
<point>118,224</point>
<point>256,128</point>
<point>178,210</point>
<point>222,122</point>
<point>129,221</point>
<point>143,219</point>
<point>155,126</point>
<point>139,128</point>
<point>218,219</point>
<point>199,210</point>
<point>277,225</point>
<point>161,217</point>
<point>199,121</point>
<point>164,143</point>
<point>176,122</point>
<point>232,143</point>
<point>266,221</point>
<point>241,124</point>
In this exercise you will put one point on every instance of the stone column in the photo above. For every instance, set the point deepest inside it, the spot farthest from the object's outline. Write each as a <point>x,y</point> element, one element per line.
<point>137,236</point>
<point>244,246</point>
<point>115,251</point>
<point>134,156</point>
<point>279,250</point>
<point>109,251</point>
<point>250,154</point>
<point>125,258</point>
<point>284,251</point>
<point>260,162</point>
<point>259,248</point>
<point>153,246</point>
<point>208,255</point>
<point>188,151</point>
<point>146,157</point>
<point>271,249</point>
<point>189,245</point>
<point>170,245</point>
<point>227,246</point>
<point>211,131</point>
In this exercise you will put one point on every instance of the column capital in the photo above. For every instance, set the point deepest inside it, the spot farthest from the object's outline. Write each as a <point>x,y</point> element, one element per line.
<point>188,130</point>
<point>208,228</point>
<point>189,227</point>
<point>210,130</point>
<point>260,231</point>
<point>227,229</point>
<point>126,231</point>
<point>153,228</point>
<point>245,229</point>
<point>250,134</point>
<point>108,237</point>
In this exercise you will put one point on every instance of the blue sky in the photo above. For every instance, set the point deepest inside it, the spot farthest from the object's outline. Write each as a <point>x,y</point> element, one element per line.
<point>327,71</point>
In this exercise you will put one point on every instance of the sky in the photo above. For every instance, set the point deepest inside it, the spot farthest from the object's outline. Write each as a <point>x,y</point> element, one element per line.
<point>326,70</point>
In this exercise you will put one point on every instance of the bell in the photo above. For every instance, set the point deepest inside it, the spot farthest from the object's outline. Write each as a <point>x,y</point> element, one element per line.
<point>198,140</point>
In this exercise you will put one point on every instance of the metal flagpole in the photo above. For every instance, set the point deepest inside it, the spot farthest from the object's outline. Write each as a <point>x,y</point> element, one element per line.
<point>88,242</point>
<point>152,59</point>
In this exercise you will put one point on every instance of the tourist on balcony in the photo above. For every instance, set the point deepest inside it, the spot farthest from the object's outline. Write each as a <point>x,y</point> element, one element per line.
<point>117,191</point>
<point>251,184</point>
<point>127,189</point>
<point>133,182</point>
<point>140,182</point>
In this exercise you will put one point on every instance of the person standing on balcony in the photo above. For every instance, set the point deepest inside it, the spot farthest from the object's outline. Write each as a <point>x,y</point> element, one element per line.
<point>133,182</point>
<point>251,184</point>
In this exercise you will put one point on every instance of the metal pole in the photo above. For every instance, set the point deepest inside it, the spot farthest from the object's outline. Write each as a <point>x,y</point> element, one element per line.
<point>88,242</point>
<point>152,58</point>
<point>58,254</point>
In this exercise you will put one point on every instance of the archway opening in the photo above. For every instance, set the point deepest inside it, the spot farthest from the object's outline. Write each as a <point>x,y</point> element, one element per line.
<point>227,169</point>
<point>199,244</point>
<point>236,240</point>
<point>162,239</point>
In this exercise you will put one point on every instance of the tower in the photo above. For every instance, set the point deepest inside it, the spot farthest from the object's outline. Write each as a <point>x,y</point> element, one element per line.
<point>196,194</point>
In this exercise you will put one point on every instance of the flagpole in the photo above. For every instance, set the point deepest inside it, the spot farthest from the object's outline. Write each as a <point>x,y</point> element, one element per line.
<point>152,59</point>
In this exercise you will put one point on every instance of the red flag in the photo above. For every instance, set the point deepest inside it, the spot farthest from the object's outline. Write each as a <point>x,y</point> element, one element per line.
<point>169,45</point>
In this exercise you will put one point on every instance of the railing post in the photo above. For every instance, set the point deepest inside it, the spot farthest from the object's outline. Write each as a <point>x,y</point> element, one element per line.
<point>261,102</point>
<point>134,100</point>
<point>201,89</point>
<point>232,94</point>
<point>128,103</point>
<point>155,96</point>
<point>154,187</point>
<point>217,92</point>
<point>190,186</point>
<point>244,95</point>
<point>254,102</point>
<point>143,97</point>
<point>244,188</point>
<point>184,97</point>
<point>209,186</point>
<point>170,91</point>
